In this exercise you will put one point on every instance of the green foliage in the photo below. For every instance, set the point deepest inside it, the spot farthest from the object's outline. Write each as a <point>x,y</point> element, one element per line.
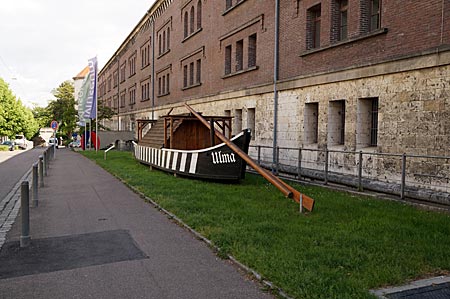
<point>346,246</point>
<point>15,118</point>
<point>63,109</point>
<point>43,116</point>
<point>105,112</point>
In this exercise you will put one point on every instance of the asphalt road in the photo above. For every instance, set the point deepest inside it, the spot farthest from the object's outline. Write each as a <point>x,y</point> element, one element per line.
<point>13,165</point>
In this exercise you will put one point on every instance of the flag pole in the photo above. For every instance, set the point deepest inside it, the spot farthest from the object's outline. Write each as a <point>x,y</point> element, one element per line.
<point>90,133</point>
<point>85,136</point>
<point>96,111</point>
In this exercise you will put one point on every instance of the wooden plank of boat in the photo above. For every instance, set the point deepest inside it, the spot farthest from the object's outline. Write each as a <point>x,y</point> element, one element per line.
<point>287,190</point>
<point>216,163</point>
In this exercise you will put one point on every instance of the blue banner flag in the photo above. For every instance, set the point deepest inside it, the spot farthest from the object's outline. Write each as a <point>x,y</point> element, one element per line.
<point>90,108</point>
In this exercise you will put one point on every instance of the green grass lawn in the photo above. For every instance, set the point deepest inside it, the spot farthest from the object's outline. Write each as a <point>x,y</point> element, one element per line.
<point>346,246</point>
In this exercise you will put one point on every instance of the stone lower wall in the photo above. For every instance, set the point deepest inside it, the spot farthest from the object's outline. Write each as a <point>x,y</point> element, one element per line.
<point>413,99</point>
<point>110,137</point>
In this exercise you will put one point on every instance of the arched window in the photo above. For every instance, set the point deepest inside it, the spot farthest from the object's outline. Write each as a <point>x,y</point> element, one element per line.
<point>199,14</point>
<point>186,24</point>
<point>192,19</point>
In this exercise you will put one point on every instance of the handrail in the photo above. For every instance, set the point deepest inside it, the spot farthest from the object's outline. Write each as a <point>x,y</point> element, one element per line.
<point>286,189</point>
<point>110,148</point>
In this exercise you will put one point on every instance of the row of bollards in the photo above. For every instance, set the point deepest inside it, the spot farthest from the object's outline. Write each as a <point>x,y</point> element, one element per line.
<point>39,170</point>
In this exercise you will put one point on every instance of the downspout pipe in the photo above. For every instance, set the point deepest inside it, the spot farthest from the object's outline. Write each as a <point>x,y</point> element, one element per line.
<point>442,22</point>
<point>275,90</point>
<point>118,92</point>
<point>153,70</point>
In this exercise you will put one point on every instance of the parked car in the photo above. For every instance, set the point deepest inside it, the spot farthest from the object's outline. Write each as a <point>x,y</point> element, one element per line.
<point>10,144</point>
<point>21,141</point>
<point>74,144</point>
<point>53,141</point>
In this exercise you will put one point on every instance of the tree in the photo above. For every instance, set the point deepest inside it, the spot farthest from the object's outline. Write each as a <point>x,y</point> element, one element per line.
<point>105,112</point>
<point>43,116</point>
<point>63,108</point>
<point>15,118</point>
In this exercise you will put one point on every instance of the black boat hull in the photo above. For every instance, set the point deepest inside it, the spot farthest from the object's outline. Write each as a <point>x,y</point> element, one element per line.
<point>214,163</point>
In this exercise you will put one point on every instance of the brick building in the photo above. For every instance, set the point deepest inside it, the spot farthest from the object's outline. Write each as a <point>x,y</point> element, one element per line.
<point>352,75</point>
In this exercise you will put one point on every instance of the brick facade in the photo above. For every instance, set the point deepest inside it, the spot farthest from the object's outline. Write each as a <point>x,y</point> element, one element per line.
<point>247,23</point>
<point>219,56</point>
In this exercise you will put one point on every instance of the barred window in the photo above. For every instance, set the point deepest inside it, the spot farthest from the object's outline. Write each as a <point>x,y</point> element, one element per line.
<point>343,8</point>
<point>199,14</point>
<point>239,55</point>
<point>199,71</point>
<point>228,60</point>
<point>185,76</point>
<point>252,50</point>
<point>375,6</point>
<point>313,27</point>
<point>186,24</point>
<point>191,74</point>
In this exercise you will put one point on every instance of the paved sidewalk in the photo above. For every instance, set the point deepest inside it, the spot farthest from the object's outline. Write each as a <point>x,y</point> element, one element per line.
<point>94,238</point>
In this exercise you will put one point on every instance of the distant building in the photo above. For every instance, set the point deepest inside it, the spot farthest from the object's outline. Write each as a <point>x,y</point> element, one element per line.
<point>351,75</point>
<point>78,83</point>
<point>78,80</point>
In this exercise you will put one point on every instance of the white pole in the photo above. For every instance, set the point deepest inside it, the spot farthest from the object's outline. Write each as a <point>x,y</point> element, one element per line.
<point>90,134</point>
<point>96,119</point>
<point>85,137</point>
<point>96,104</point>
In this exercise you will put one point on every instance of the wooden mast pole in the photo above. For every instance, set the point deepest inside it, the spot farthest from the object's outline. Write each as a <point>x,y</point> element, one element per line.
<point>287,190</point>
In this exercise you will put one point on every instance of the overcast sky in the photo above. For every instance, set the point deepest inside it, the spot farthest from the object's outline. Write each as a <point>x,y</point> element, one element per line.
<point>46,42</point>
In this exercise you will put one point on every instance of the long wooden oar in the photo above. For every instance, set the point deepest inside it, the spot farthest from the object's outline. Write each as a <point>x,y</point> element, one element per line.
<point>288,191</point>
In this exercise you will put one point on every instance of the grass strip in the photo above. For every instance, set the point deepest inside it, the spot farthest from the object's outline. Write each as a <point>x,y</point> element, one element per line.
<point>348,245</point>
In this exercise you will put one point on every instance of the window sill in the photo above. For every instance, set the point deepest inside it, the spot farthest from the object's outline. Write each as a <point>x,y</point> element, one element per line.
<point>344,42</point>
<point>163,94</point>
<point>145,100</point>
<point>192,34</point>
<point>232,7</point>
<point>132,75</point>
<point>253,68</point>
<point>145,66</point>
<point>191,86</point>
<point>162,54</point>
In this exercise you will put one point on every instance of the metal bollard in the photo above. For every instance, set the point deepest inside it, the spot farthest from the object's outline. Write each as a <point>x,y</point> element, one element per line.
<point>41,171</point>
<point>25,201</point>
<point>34,183</point>
<point>45,163</point>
